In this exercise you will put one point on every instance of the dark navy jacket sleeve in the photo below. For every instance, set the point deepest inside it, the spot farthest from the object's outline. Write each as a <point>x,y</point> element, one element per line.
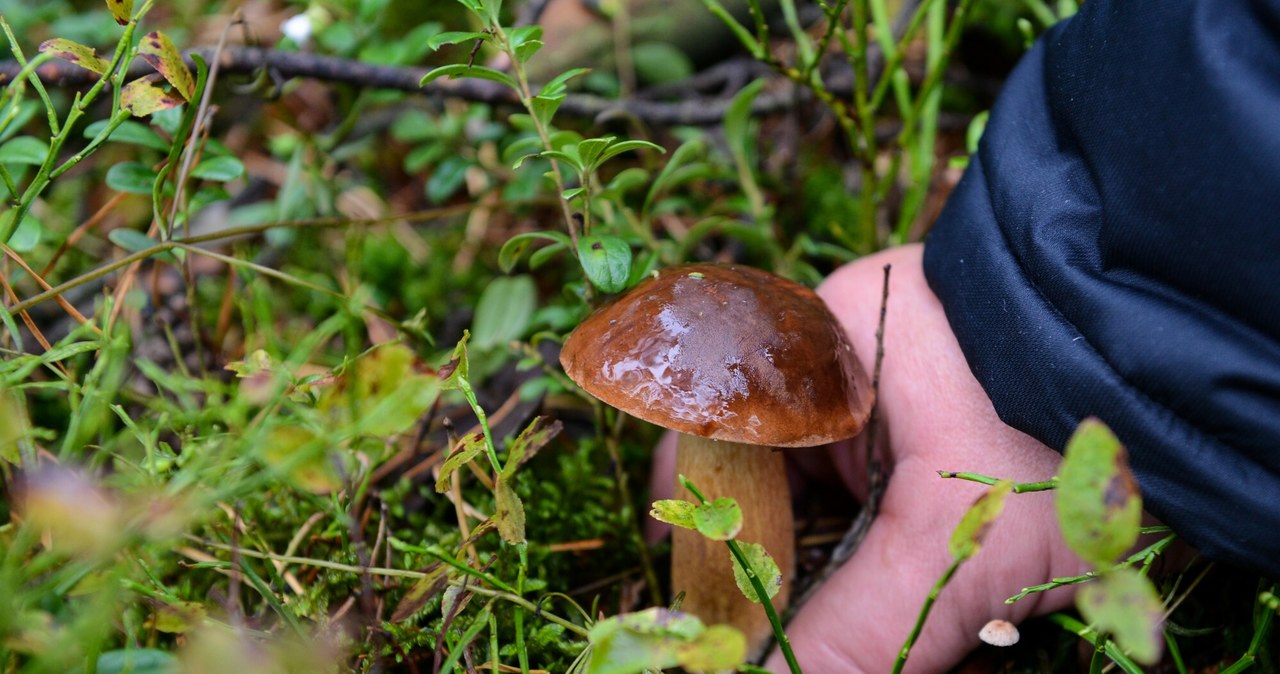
<point>1114,251</point>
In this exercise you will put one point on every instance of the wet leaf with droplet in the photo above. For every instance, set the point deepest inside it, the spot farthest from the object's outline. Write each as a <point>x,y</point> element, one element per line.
<point>761,562</point>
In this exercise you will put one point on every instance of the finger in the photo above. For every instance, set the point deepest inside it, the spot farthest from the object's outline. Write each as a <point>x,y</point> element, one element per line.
<point>662,484</point>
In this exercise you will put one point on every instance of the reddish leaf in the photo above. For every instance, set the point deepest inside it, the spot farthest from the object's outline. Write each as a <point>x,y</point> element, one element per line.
<point>158,51</point>
<point>74,52</point>
<point>144,96</point>
<point>421,592</point>
<point>534,437</point>
<point>120,10</point>
<point>508,512</point>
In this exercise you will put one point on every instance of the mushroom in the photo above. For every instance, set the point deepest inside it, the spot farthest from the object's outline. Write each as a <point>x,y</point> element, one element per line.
<point>999,633</point>
<point>738,362</point>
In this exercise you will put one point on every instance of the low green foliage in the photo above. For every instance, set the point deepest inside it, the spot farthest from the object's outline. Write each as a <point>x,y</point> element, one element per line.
<point>301,409</point>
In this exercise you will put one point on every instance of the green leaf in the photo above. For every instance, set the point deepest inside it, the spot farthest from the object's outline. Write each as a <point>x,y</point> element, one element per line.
<point>131,132</point>
<point>627,146</point>
<point>459,367</point>
<point>120,10</point>
<point>390,393</point>
<point>463,70</point>
<point>435,578</point>
<point>627,180</point>
<point>544,254</point>
<point>138,661</point>
<point>220,169</point>
<point>606,260</point>
<point>640,642</point>
<point>719,520</point>
<point>544,107</point>
<point>674,512</point>
<point>974,134</point>
<point>737,118</point>
<point>525,41</point>
<point>27,235</point>
<point>667,178</point>
<point>454,37</point>
<point>158,51</point>
<point>533,438</point>
<point>303,457</point>
<point>572,193</point>
<point>514,248</point>
<point>660,62</point>
<point>13,427</point>
<point>508,512</point>
<point>131,177</point>
<point>73,52</point>
<point>1097,498</point>
<point>556,85</point>
<point>744,36</point>
<point>503,311</point>
<point>179,617</point>
<point>144,96</point>
<point>1124,604</point>
<point>569,156</point>
<point>590,151</point>
<point>131,239</point>
<point>447,177</point>
<point>469,447</point>
<point>968,535</point>
<point>762,564</point>
<point>720,648</point>
<point>24,150</point>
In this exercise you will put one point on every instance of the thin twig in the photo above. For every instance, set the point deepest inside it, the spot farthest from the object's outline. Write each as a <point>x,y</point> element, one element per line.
<point>876,482</point>
<point>249,60</point>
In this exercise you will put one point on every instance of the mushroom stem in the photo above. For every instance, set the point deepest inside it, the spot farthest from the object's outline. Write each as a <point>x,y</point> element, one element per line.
<point>756,477</point>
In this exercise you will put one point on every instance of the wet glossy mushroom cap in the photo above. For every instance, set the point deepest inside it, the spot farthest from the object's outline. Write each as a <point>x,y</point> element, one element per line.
<point>725,352</point>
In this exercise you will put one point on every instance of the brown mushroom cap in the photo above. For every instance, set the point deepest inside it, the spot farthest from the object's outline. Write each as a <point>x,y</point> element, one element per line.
<point>725,352</point>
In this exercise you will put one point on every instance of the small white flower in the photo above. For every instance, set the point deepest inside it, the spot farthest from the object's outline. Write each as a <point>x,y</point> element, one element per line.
<point>297,28</point>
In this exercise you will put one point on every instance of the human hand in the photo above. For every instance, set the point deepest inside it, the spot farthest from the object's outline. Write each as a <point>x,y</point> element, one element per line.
<point>937,418</point>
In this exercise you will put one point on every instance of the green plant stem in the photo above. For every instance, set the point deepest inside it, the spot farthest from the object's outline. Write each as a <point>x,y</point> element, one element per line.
<point>910,126</point>
<point>1071,624</point>
<point>1264,618</point>
<point>936,590</point>
<point>1142,555</point>
<point>1018,487</point>
<point>833,13</point>
<point>506,593</point>
<point>784,643</point>
<point>522,653</point>
<point>895,55</point>
<point>1175,653</point>
<point>468,636</point>
<point>62,132</point>
<point>232,232</point>
<point>526,99</point>
<point>491,452</point>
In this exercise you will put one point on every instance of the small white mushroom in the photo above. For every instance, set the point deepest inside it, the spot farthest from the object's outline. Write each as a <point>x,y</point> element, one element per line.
<point>999,633</point>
